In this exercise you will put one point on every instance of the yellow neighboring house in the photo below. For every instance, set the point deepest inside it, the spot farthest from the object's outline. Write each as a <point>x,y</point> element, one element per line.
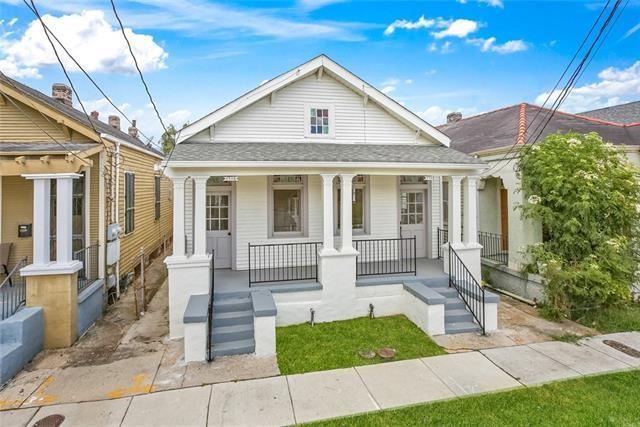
<point>118,181</point>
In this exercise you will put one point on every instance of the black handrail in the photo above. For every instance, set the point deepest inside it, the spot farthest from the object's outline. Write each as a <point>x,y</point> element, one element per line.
<point>471,292</point>
<point>212,286</point>
<point>494,246</point>
<point>13,293</point>
<point>283,262</point>
<point>443,237</point>
<point>89,271</point>
<point>386,256</point>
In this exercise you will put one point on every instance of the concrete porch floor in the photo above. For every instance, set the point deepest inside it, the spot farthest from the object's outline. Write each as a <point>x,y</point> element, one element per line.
<point>227,280</point>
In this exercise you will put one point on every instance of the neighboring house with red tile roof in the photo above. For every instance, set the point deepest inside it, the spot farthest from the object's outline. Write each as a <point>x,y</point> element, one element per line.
<point>497,138</point>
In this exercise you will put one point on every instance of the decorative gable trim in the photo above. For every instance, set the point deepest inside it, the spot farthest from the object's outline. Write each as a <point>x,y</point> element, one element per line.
<point>319,65</point>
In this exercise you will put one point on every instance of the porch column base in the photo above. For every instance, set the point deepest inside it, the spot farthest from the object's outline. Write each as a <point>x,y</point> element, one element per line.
<point>337,274</point>
<point>57,294</point>
<point>470,256</point>
<point>187,276</point>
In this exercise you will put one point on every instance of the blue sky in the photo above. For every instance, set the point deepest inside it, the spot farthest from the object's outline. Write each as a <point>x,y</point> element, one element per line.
<point>433,56</point>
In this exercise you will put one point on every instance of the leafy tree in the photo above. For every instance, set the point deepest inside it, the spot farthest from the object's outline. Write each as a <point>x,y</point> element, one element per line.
<point>168,139</point>
<point>586,195</point>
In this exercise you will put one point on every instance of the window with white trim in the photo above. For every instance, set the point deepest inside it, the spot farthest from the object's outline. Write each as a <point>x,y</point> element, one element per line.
<point>129,202</point>
<point>359,204</point>
<point>319,121</point>
<point>287,201</point>
<point>157,186</point>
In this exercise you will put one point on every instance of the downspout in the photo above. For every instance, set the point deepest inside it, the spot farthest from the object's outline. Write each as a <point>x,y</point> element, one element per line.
<point>116,206</point>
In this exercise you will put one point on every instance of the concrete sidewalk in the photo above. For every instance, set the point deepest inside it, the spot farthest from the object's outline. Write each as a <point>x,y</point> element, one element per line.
<point>285,400</point>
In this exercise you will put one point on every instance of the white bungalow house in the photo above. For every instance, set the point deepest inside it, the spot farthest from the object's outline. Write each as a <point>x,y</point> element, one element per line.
<point>260,183</point>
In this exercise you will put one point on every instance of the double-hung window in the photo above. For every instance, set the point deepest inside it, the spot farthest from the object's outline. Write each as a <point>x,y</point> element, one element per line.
<point>359,201</point>
<point>319,121</point>
<point>288,205</point>
<point>129,202</point>
<point>157,197</point>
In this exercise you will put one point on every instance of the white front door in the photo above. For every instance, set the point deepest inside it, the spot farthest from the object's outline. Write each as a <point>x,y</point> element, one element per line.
<point>413,219</point>
<point>219,227</point>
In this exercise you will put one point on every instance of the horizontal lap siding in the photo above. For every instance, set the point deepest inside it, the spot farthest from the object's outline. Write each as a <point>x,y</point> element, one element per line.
<point>148,233</point>
<point>17,124</point>
<point>94,200</point>
<point>17,208</point>
<point>435,209</point>
<point>284,120</point>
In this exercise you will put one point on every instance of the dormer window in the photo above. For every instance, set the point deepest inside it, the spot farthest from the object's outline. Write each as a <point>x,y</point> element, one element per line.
<point>319,121</point>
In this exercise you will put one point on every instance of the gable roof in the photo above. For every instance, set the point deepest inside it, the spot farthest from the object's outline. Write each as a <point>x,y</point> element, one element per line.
<point>628,113</point>
<point>321,63</point>
<point>517,123</point>
<point>78,116</point>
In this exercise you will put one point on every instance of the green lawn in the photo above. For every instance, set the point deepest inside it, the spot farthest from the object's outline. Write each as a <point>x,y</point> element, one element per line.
<point>591,401</point>
<point>619,319</point>
<point>303,348</point>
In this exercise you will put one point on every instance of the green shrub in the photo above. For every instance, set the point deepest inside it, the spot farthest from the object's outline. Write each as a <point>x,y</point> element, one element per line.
<point>586,195</point>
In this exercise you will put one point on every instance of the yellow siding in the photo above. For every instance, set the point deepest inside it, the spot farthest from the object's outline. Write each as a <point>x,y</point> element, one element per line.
<point>17,208</point>
<point>94,199</point>
<point>14,126</point>
<point>148,232</point>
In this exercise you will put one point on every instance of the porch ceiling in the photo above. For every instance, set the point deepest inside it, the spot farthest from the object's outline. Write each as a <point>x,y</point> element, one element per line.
<point>320,152</point>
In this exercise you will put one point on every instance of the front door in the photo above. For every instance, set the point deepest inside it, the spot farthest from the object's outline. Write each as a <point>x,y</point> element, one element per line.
<point>219,227</point>
<point>413,221</point>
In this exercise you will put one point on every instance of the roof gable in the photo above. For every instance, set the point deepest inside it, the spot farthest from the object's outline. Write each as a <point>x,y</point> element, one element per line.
<point>319,65</point>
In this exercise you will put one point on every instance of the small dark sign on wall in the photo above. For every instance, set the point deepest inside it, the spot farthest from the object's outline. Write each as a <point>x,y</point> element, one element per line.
<point>24,230</point>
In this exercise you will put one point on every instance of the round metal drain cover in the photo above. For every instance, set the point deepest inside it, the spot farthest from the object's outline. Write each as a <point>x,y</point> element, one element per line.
<point>386,353</point>
<point>629,351</point>
<point>50,421</point>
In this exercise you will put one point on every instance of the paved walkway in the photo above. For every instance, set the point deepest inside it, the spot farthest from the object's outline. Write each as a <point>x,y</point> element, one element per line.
<point>301,398</point>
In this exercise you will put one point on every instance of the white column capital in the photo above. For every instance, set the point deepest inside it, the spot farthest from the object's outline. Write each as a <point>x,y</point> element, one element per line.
<point>178,183</point>
<point>347,176</point>
<point>327,178</point>
<point>38,176</point>
<point>473,179</point>
<point>200,181</point>
<point>456,179</point>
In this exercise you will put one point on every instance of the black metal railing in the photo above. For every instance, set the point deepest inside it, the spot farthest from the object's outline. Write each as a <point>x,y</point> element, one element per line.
<point>13,293</point>
<point>471,292</point>
<point>283,262</point>
<point>386,256</point>
<point>443,237</point>
<point>494,246</point>
<point>89,271</point>
<point>212,287</point>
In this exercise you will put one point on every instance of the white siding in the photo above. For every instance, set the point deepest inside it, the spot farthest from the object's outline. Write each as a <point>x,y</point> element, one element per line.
<point>435,209</point>
<point>189,189</point>
<point>284,120</point>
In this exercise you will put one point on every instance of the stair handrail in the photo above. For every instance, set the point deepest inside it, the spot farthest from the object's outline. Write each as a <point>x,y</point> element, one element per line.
<point>470,291</point>
<point>212,284</point>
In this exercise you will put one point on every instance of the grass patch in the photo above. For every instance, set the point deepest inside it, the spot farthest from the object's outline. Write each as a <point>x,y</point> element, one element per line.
<point>614,319</point>
<point>568,337</point>
<point>303,348</point>
<point>603,400</point>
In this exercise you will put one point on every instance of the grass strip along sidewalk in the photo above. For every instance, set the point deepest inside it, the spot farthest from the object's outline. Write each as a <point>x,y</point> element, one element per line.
<point>612,399</point>
<point>305,348</point>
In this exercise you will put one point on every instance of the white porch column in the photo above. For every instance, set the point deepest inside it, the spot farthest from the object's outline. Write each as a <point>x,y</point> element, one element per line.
<point>470,210</point>
<point>346,226</point>
<point>178,216</point>
<point>455,212</point>
<point>327,213</point>
<point>64,219</point>
<point>200,216</point>
<point>41,220</point>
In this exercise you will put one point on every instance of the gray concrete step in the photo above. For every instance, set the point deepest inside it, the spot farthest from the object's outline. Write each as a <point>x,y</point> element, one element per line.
<point>234,347</point>
<point>461,327</point>
<point>440,281</point>
<point>453,303</point>
<point>223,334</point>
<point>457,315</point>
<point>226,305</point>
<point>446,292</point>
<point>233,318</point>
<point>226,295</point>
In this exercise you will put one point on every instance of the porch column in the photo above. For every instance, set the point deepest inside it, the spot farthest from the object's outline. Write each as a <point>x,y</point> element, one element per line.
<point>455,212</point>
<point>41,220</point>
<point>200,216</point>
<point>470,210</point>
<point>346,226</point>
<point>64,218</point>
<point>327,213</point>
<point>178,216</point>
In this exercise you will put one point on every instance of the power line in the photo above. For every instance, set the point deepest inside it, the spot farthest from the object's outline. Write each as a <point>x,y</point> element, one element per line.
<point>149,140</point>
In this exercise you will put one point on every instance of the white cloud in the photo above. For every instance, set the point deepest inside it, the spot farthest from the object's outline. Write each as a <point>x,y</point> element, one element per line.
<point>408,81</point>
<point>422,22</point>
<point>493,3</point>
<point>437,115</point>
<point>12,22</point>
<point>94,43</point>
<point>178,118</point>
<point>388,89</point>
<point>445,47</point>
<point>317,4</point>
<point>431,72</point>
<point>391,81</point>
<point>459,28</point>
<point>490,45</point>
<point>614,86</point>
<point>631,31</point>
<point>13,70</point>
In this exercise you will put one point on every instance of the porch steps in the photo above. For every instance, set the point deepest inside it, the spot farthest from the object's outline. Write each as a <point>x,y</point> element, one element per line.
<point>232,324</point>
<point>457,319</point>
